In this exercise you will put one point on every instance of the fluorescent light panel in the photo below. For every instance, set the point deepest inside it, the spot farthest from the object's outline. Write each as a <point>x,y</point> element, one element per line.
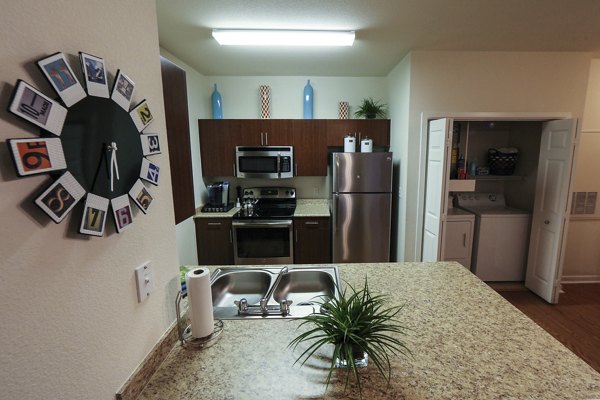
<point>256,37</point>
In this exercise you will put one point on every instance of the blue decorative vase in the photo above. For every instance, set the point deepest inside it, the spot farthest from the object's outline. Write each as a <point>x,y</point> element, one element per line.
<point>308,101</point>
<point>217,104</point>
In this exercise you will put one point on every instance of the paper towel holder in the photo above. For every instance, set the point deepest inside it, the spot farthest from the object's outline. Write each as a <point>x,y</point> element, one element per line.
<point>185,334</point>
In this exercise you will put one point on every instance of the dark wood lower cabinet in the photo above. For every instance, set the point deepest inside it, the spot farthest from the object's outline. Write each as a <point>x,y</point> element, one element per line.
<point>214,240</point>
<point>311,240</point>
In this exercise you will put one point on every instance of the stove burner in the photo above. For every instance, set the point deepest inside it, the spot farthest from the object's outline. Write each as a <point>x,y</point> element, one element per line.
<point>268,203</point>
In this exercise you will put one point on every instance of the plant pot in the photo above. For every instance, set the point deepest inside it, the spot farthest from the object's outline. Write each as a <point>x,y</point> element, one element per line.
<point>370,115</point>
<point>360,359</point>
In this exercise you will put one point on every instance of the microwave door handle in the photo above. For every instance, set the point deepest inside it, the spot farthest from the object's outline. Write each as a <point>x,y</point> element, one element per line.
<point>279,165</point>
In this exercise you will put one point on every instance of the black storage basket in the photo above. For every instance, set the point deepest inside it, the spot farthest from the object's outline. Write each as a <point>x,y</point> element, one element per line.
<point>502,163</point>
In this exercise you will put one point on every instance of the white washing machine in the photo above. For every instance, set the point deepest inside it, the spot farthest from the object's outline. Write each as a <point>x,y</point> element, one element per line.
<point>501,237</point>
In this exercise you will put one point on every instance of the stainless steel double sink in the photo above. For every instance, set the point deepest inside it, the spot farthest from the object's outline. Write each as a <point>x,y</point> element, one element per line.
<point>271,292</point>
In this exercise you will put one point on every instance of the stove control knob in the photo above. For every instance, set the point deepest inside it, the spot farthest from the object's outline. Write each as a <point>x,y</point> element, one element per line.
<point>291,193</point>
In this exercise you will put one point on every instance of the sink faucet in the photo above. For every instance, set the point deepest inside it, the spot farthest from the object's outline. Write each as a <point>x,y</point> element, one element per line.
<point>263,302</point>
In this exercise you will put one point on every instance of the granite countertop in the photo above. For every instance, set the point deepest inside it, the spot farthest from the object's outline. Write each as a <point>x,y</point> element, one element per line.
<point>467,343</point>
<point>312,208</point>
<point>304,208</point>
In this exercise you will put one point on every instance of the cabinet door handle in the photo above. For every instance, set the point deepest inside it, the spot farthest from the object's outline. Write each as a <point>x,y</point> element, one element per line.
<point>214,224</point>
<point>296,235</point>
<point>296,166</point>
<point>464,240</point>
<point>230,236</point>
<point>311,223</point>
<point>234,170</point>
<point>266,138</point>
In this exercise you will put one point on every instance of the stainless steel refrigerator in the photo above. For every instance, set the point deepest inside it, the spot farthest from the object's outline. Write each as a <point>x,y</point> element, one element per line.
<point>361,206</point>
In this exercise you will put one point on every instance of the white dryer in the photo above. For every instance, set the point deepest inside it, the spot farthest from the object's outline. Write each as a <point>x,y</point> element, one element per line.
<point>501,237</point>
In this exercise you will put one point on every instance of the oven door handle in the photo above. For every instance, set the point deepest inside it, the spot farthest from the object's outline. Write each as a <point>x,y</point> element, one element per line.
<point>263,224</point>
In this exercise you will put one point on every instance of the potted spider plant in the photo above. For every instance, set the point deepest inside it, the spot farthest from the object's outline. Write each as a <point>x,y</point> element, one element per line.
<point>371,109</point>
<point>360,326</point>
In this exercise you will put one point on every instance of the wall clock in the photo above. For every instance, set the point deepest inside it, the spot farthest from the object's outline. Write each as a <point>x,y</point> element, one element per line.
<point>92,142</point>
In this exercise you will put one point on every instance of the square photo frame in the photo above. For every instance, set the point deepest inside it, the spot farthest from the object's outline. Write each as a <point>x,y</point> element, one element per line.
<point>122,91</point>
<point>94,74</point>
<point>150,144</point>
<point>141,115</point>
<point>32,105</point>
<point>58,72</point>
<point>141,196</point>
<point>60,198</point>
<point>37,155</point>
<point>150,172</point>
<point>95,211</point>
<point>122,212</point>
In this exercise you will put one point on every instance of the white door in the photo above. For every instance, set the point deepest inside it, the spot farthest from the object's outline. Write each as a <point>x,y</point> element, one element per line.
<point>548,228</point>
<point>436,201</point>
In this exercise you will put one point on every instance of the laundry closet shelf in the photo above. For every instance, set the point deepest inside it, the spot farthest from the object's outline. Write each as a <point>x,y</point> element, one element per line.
<point>498,177</point>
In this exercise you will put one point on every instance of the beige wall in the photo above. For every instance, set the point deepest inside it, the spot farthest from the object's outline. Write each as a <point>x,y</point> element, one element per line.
<point>71,326</point>
<point>582,256</point>
<point>455,82</point>
<point>399,93</point>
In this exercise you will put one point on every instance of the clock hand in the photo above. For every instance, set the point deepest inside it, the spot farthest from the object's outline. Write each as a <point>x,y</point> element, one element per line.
<point>113,164</point>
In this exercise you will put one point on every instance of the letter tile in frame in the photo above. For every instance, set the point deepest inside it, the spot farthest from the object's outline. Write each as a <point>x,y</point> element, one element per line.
<point>60,198</point>
<point>122,212</point>
<point>141,196</point>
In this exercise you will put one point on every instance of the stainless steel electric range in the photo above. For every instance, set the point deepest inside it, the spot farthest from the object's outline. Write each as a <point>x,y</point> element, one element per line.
<point>263,228</point>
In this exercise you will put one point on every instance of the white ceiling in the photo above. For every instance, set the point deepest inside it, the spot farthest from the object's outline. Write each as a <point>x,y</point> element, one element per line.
<point>386,30</point>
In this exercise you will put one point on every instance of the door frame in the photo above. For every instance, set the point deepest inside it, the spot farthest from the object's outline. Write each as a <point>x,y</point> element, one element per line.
<point>426,116</point>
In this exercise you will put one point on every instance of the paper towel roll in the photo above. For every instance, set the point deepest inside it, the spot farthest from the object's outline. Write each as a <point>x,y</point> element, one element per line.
<point>349,144</point>
<point>200,301</point>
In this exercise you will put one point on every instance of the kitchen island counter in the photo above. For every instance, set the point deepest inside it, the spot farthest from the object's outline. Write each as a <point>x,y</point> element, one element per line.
<point>467,343</point>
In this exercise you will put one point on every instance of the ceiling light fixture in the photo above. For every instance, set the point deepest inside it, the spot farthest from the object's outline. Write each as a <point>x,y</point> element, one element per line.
<point>274,37</point>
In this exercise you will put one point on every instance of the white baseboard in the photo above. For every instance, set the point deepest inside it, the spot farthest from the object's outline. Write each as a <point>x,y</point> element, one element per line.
<point>566,279</point>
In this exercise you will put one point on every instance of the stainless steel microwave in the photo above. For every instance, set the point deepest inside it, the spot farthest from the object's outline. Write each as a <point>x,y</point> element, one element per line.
<point>264,161</point>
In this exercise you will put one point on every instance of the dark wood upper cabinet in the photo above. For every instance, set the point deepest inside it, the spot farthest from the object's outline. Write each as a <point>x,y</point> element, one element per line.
<point>376,129</point>
<point>178,136</point>
<point>218,138</point>
<point>310,138</point>
<point>310,147</point>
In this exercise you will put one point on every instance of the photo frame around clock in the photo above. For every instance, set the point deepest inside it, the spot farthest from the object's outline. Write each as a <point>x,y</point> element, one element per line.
<point>141,196</point>
<point>60,198</point>
<point>58,72</point>
<point>150,144</point>
<point>141,115</point>
<point>95,211</point>
<point>37,155</point>
<point>94,74</point>
<point>122,91</point>
<point>150,172</point>
<point>122,212</point>
<point>33,106</point>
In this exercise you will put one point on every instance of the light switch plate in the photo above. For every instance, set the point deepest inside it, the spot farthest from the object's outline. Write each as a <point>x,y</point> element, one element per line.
<point>145,280</point>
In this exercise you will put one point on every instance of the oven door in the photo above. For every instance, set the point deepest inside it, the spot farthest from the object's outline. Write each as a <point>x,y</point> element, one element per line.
<point>263,242</point>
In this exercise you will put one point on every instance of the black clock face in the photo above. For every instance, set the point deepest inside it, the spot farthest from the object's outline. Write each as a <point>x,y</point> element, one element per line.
<point>94,143</point>
<point>91,125</point>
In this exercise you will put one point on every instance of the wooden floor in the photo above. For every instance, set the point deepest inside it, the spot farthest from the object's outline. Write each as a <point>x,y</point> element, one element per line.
<point>575,321</point>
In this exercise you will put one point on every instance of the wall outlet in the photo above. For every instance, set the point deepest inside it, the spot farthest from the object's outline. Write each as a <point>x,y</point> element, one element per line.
<point>145,280</point>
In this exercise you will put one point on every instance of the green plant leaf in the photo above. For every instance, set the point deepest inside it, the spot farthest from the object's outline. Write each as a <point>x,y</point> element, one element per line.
<point>355,319</point>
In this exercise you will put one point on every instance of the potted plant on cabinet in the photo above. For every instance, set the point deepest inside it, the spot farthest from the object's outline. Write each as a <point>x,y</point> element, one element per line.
<point>371,109</point>
<point>360,327</point>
